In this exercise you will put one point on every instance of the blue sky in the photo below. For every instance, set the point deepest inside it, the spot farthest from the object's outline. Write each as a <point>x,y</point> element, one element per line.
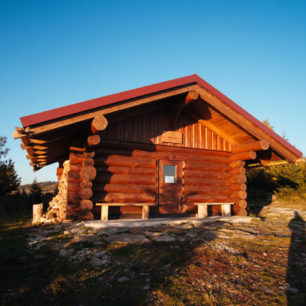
<point>54,53</point>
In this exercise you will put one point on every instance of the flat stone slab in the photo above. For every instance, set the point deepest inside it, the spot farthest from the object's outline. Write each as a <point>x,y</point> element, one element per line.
<point>96,224</point>
<point>164,238</point>
<point>126,238</point>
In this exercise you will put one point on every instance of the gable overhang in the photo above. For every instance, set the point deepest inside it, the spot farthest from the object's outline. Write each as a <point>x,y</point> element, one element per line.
<point>37,128</point>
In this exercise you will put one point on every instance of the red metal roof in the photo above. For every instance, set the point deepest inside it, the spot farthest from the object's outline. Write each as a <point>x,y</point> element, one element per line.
<point>146,90</point>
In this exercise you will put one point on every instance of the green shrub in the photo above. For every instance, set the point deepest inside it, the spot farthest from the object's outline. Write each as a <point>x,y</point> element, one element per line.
<point>284,180</point>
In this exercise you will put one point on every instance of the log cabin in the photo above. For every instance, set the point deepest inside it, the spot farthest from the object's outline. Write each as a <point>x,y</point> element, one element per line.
<point>161,149</point>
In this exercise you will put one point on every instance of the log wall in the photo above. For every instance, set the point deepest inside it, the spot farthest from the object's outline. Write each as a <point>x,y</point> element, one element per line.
<point>80,176</point>
<point>128,173</point>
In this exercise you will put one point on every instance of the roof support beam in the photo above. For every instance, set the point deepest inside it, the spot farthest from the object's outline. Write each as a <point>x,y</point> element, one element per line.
<point>253,146</point>
<point>192,95</point>
<point>65,121</point>
<point>244,122</point>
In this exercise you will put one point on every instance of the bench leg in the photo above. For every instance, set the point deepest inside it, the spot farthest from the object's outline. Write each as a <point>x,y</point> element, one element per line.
<point>226,210</point>
<point>104,213</point>
<point>202,211</point>
<point>145,212</point>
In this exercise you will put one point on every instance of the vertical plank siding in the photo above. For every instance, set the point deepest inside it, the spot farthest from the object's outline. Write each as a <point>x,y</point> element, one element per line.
<point>149,127</point>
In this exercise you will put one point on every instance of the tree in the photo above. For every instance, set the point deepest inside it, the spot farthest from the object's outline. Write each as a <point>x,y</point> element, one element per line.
<point>9,180</point>
<point>3,149</point>
<point>267,123</point>
<point>35,192</point>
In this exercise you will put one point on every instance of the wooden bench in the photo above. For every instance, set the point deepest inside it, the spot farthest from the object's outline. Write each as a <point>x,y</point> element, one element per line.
<point>145,208</point>
<point>202,209</point>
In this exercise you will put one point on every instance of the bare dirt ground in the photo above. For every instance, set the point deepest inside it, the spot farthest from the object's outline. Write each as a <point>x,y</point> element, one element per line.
<point>258,263</point>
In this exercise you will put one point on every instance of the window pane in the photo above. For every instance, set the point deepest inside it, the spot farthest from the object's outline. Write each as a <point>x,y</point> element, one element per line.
<point>169,174</point>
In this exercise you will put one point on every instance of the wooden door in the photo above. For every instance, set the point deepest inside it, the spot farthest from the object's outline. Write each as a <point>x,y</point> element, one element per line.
<point>169,184</point>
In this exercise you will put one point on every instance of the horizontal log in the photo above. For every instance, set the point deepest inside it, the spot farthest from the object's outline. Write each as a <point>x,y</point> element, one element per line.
<point>93,140</point>
<point>242,204</point>
<point>237,163</point>
<point>124,198</point>
<point>202,181</point>
<point>88,162</point>
<point>240,211</point>
<point>77,149</point>
<point>238,171</point>
<point>125,162</point>
<point>194,158</point>
<point>73,187</point>
<point>238,187</point>
<point>88,173</point>
<point>73,196</point>
<point>192,95</point>
<point>74,177</point>
<point>241,195</point>
<point>253,146</point>
<point>202,198</point>
<point>178,154</point>
<point>86,193</point>
<point>85,215</point>
<point>129,188</point>
<point>98,124</point>
<point>89,154</point>
<point>76,158</point>
<point>86,205</point>
<point>73,202</point>
<point>86,184</point>
<point>75,167</point>
<point>125,179</point>
<point>71,215</point>
<point>243,156</point>
<point>240,179</point>
<point>206,166</point>
<point>159,148</point>
<point>125,170</point>
<point>220,190</point>
<point>206,174</point>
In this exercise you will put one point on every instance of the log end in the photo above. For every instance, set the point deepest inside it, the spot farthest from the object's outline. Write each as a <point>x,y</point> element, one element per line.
<point>98,124</point>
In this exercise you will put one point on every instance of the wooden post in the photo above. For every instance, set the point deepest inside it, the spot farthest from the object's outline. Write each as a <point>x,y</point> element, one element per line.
<point>202,210</point>
<point>145,212</point>
<point>104,212</point>
<point>37,212</point>
<point>226,210</point>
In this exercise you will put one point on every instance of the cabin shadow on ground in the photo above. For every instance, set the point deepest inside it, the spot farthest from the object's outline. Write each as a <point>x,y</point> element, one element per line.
<point>45,277</point>
<point>296,269</point>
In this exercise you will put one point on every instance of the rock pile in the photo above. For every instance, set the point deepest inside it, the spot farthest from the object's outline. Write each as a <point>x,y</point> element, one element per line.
<point>57,206</point>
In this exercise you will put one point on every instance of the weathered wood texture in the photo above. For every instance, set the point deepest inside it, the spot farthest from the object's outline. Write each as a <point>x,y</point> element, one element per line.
<point>149,128</point>
<point>37,212</point>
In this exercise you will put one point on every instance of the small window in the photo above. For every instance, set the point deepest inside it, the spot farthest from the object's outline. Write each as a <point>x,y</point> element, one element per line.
<point>169,174</point>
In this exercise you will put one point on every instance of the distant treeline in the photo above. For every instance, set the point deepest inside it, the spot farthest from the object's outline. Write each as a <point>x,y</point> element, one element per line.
<point>46,187</point>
